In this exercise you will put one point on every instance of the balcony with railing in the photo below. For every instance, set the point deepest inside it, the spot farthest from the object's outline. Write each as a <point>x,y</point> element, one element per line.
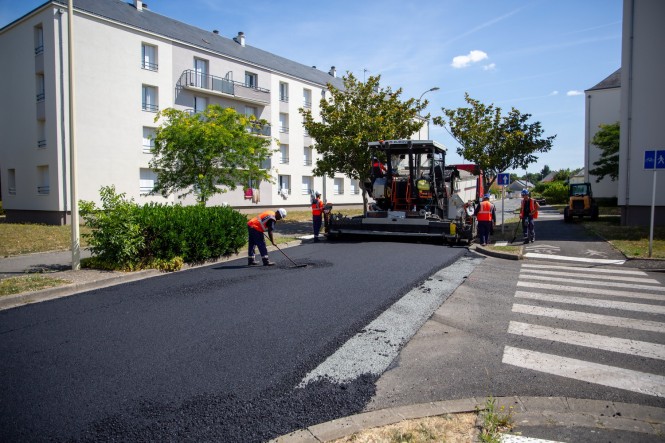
<point>12,190</point>
<point>150,66</point>
<point>43,190</point>
<point>149,107</point>
<point>214,85</point>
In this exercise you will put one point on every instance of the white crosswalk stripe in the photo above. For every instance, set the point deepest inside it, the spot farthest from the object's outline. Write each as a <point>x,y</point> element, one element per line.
<point>622,339</point>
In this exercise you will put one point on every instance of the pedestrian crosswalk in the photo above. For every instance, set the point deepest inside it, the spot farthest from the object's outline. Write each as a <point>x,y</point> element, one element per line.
<point>617,315</point>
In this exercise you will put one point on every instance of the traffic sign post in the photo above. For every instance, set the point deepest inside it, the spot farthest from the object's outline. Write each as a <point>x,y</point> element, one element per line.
<point>653,160</point>
<point>503,180</point>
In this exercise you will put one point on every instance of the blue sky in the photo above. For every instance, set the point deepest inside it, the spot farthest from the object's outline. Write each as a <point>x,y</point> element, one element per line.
<point>537,55</point>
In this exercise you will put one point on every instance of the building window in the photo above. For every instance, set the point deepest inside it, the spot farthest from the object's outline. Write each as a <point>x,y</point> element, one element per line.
<point>39,40</point>
<point>307,185</point>
<point>284,185</point>
<point>41,93</point>
<point>307,98</point>
<point>200,104</point>
<point>11,181</point>
<point>149,102</point>
<point>354,187</point>
<point>148,139</point>
<point>251,113</point>
<point>283,92</point>
<point>284,123</point>
<point>147,180</point>
<point>284,154</point>
<point>307,156</point>
<point>338,186</point>
<point>43,184</point>
<point>201,73</point>
<point>148,57</point>
<point>251,80</point>
<point>41,134</point>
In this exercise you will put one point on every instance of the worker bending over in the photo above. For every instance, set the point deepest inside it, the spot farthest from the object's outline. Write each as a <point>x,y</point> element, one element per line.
<point>256,227</point>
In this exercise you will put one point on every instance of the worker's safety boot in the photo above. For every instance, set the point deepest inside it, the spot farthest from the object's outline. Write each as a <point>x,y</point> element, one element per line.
<point>267,262</point>
<point>252,262</point>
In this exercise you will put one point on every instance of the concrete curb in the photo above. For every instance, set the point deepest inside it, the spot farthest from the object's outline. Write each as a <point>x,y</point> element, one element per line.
<point>499,254</point>
<point>526,411</point>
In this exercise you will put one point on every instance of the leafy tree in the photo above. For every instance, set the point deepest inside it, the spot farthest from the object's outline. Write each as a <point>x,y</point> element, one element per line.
<point>546,170</point>
<point>563,175</point>
<point>355,115</point>
<point>207,153</point>
<point>607,140</point>
<point>494,142</point>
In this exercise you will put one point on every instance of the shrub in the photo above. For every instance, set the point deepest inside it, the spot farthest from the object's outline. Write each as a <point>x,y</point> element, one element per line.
<point>554,192</point>
<point>129,237</point>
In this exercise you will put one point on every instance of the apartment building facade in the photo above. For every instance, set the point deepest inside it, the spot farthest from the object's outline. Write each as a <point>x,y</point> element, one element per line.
<point>129,63</point>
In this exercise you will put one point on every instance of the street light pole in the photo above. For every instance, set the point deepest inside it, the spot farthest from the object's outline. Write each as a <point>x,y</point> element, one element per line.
<point>435,88</point>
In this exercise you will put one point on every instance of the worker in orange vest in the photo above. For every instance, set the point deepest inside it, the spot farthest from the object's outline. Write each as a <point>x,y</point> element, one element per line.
<point>317,215</point>
<point>256,227</point>
<point>486,216</point>
<point>528,213</point>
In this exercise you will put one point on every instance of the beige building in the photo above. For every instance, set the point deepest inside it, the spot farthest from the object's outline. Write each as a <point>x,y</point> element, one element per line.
<point>129,63</point>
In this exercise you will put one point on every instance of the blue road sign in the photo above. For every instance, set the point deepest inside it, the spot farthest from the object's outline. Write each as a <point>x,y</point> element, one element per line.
<point>660,159</point>
<point>649,159</point>
<point>504,179</point>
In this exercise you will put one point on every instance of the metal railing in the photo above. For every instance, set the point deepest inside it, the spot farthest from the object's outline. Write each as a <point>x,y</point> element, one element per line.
<point>150,107</point>
<point>307,104</point>
<point>12,190</point>
<point>191,78</point>
<point>150,66</point>
<point>283,160</point>
<point>307,162</point>
<point>43,190</point>
<point>39,49</point>
<point>284,98</point>
<point>284,129</point>
<point>41,97</point>
<point>41,143</point>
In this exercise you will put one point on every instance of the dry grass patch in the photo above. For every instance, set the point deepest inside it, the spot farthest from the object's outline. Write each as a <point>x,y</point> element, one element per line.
<point>24,238</point>
<point>450,428</point>
<point>28,283</point>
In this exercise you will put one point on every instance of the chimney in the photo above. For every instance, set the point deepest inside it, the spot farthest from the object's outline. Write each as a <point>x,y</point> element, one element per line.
<point>240,38</point>
<point>333,71</point>
<point>138,4</point>
<point>215,31</point>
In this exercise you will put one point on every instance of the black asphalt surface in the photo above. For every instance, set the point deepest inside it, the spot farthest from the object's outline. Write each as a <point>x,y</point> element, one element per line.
<point>210,354</point>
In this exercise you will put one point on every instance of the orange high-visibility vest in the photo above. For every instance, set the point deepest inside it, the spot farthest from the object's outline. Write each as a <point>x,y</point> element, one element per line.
<point>260,222</point>
<point>485,213</point>
<point>317,207</point>
<point>533,210</point>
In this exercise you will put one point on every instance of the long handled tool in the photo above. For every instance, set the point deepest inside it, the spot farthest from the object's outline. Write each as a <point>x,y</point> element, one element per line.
<point>278,248</point>
<point>515,231</point>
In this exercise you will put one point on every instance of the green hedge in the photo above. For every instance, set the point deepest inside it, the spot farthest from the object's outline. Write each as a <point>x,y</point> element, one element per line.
<point>554,192</point>
<point>128,236</point>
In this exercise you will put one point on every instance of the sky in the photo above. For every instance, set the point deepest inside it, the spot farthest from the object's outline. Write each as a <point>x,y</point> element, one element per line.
<point>538,56</point>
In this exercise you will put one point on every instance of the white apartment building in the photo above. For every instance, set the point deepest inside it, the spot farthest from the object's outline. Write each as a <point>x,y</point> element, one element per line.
<point>130,63</point>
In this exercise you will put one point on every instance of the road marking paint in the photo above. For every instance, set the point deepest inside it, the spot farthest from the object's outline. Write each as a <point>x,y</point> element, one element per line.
<point>501,243</point>
<point>606,261</point>
<point>594,291</point>
<point>581,269</point>
<point>587,340</point>
<point>625,306</point>
<point>595,283</point>
<point>592,276</point>
<point>512,438</point>
<point>642,382</point>
<point>587,317</point>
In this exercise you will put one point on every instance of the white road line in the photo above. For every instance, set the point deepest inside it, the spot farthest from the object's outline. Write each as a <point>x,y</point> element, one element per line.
<point>592,276</point>
<point>591,291</point>
<point>625,306</point>
<point>604,261</point>
<point>582,269</point>
<point>612,284</point>
<point>587,340</point>
<point>587,317</point>
<point>642,382</point>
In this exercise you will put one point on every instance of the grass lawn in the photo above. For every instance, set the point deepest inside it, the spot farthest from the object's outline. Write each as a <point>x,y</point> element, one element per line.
<point>633,241</point>
<point>27,283</point>
<point>18,238</point>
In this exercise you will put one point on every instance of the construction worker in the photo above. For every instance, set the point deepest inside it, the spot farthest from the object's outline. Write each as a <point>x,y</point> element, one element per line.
<point>378,168</point>
<point>528,212</point>
<point>317,215</point>
<point>486,216</point>
<point>256,227</point>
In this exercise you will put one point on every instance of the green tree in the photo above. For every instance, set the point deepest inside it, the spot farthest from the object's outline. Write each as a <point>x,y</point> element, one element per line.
<point>494,142</point>
<point>546,170</point>
<point>607,140</point>
<point>207,153</point>
<point>352,117</point>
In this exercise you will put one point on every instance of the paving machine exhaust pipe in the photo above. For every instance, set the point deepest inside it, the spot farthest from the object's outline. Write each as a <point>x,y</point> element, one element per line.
<point>295,265</point>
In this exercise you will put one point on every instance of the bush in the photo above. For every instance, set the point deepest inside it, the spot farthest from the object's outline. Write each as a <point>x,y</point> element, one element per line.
<point>127,236</point>
<point>555,192</point>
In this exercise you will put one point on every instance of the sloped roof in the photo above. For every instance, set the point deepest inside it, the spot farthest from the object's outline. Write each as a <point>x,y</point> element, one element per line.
<point>125,13</point>
<point>549,177</point>
<point>612,81</point>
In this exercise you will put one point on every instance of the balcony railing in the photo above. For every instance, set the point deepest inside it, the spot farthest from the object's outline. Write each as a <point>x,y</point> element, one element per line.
<point>307,104</point>
<point>12,190</point>
<point>307,162</point>
<point>39,49</point>
<point>150,107</point>
<point>41,143</point>
<point>41,97</point>
<point>150,66</point>
<point>192,79</point>
<point>43,190</point>
<point>284,98</point>
<point>283,160</point>
<point>284,129</point>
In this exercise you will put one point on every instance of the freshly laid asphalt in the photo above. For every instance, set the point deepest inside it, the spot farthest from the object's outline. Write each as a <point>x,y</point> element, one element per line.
<point>553,418</point>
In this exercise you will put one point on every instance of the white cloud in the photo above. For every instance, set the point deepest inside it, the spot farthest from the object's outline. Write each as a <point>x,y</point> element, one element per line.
<point>462,61</point>
<point>554,93</point>
<point>490,67</point>
<point>574,93</point>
